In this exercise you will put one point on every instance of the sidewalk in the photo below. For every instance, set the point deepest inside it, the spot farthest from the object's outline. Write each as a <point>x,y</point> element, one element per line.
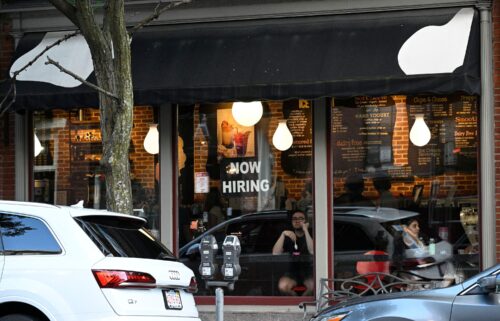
<point>253,313</point>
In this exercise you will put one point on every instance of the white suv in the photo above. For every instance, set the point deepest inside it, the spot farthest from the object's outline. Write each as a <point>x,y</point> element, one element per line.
<point>65,263</point>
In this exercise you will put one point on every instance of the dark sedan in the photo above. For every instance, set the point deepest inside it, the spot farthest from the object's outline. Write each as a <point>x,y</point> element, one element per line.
<point>355,230</point>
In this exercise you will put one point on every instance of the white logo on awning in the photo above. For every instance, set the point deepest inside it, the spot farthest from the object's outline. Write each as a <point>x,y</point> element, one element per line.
<point>437,49</point>
<point>72,54</point>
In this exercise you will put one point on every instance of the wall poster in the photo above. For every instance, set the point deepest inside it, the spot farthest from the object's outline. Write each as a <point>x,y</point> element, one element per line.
<point>452,121</point>
<point>233,139</point>
<point>362,129</point>
<point>297,160</point>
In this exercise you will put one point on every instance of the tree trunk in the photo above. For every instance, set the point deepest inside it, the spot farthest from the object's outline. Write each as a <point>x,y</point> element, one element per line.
<point>110,48</point>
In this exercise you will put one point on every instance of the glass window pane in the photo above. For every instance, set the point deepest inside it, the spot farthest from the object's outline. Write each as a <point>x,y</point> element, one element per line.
<point>405,179</point>
<point>26,235</point>
<point>67,162</point>
<point>230,174</point>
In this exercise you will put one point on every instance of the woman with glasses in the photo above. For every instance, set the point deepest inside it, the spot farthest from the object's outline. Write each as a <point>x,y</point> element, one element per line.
<point>296,242</point>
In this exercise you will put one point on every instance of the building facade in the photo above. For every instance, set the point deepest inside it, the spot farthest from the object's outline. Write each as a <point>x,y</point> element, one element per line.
<point>351,81</point>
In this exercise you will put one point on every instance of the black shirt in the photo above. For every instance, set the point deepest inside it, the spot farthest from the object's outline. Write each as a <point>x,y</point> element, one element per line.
<point>298,268</point>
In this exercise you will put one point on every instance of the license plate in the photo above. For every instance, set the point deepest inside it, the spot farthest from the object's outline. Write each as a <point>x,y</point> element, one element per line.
<point>172,299</point>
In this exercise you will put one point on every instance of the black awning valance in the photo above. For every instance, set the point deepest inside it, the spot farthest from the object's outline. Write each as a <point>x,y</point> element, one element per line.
<point>306,57</point>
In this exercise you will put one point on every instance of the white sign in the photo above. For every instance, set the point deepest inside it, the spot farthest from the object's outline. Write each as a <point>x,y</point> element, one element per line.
<point>201,182</point>
<point>243,177</point>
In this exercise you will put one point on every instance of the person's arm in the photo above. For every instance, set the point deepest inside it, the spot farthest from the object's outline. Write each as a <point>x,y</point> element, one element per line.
<point>278,246</point>
<point>309,240</point>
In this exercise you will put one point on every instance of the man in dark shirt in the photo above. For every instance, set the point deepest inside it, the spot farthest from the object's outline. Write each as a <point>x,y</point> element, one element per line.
<point>297,242</point>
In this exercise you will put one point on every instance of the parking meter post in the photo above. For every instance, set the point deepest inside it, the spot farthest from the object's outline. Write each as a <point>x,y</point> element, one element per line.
<point>219,304</point>
<point>230,269</point>
<point>208,250</point>
<point>231,250</point>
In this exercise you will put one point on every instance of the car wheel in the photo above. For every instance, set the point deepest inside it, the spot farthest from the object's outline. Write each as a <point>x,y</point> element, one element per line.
<point>19,317</point>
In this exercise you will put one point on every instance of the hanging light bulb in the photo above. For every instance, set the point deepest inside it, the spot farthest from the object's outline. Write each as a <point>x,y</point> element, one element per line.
<point>282,138</point>
<point>420,134</point>
<point>37,145</point>
<point>151,144</point>
<point>247,114</point>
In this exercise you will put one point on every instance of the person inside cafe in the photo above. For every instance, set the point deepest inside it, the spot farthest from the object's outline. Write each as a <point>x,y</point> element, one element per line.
<point>411,234</point>
<point>298,243</point>
<point>306,198</point>
<point>353,196</point>
<point>382,183</point>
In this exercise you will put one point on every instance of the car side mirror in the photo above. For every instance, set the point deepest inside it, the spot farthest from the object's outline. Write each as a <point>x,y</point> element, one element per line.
<point>489,283</point>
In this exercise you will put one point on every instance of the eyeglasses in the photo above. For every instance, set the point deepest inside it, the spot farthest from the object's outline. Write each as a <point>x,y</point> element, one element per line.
<point>299,219</point>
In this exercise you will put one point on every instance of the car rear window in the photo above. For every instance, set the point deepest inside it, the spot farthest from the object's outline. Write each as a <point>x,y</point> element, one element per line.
<point>123,237</point>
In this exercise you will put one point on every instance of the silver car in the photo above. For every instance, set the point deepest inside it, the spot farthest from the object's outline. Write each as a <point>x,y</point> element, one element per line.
<point>477,298</point>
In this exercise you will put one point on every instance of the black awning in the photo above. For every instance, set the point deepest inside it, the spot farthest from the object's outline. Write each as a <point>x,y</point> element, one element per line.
<point>306,57</point>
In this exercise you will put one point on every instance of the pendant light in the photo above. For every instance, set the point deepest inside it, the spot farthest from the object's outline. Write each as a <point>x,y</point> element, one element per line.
<point>151,142</point>
<point>37,145</point>
<point>247,114</point>
<point>282,138</point>
<point>420,134</point>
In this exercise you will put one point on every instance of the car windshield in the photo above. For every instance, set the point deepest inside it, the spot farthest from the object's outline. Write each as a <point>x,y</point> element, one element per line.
<point>123,237</point>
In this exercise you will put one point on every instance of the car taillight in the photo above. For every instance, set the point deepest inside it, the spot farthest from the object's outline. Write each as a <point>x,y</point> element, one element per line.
<point>193,285</point>
<point>123,279</point>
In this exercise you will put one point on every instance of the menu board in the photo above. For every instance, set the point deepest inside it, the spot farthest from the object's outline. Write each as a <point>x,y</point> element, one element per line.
<point>297,160</point>
<point>362,130</point>
<point>452,121</point>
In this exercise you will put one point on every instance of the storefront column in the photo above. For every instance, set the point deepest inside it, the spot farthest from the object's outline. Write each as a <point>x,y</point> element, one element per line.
<point>487,136</point>
<point>166,175</point>
<point>21,157</point>
<point>21,147</point>
<point>321,210</point>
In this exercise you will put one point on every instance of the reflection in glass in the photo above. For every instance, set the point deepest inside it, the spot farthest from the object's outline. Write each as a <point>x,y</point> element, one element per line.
<point>68,168</point>
<point>230,171</point>
<point>421,201</point>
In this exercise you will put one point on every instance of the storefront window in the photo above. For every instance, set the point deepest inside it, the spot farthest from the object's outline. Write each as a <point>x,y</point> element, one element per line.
<point>67,151</point>
<point>406,198</point>
<point>233,180</point>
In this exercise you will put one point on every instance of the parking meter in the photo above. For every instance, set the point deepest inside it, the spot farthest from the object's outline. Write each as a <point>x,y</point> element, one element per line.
<point>208,250</point>
<point>231,252</point>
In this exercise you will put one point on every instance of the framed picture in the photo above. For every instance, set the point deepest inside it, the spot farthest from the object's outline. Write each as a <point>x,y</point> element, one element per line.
<point>233,139</point>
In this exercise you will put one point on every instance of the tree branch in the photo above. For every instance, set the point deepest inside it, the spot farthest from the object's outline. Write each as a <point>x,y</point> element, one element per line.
<point>83,81</point>
<point>11,93</point>
<point>67,9</point>
<point>156,13</point>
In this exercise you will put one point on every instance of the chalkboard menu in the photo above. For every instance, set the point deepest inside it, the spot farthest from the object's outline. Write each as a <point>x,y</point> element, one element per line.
<point>452,121</point>
<point>297,160</point>
<point>362,130</point>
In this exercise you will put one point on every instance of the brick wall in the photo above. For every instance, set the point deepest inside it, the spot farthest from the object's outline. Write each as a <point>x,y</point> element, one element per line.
<point>7,172</point>
<point>465,183</point>
<point>496,84</point>
<point>7,155</point>
<point>74,177</point>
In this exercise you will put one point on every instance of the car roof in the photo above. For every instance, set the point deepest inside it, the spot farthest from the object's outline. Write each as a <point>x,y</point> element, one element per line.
<point>24,207</point>
<point>380,214</point>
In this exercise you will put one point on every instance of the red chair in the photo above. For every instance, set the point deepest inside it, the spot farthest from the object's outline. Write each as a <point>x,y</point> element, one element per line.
<point>376,264</point>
